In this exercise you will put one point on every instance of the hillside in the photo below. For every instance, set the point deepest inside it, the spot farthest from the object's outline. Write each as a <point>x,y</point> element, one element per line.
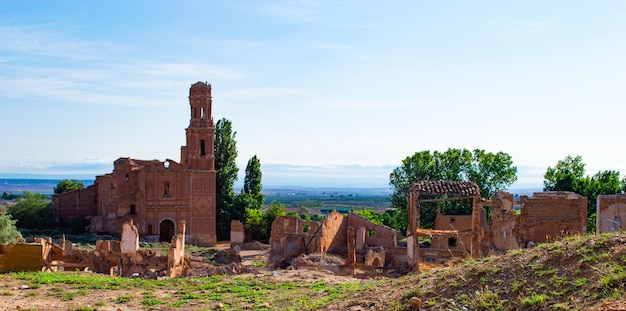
<point>578,273</point>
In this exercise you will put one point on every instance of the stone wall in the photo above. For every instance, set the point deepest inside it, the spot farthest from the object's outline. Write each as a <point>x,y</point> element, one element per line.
<point>379,235</point>
<point>503,233</point>
<point>543,217</point>
<point>550,215</point>
<point>610,213</point>
<point>289,239</point>
<point>461,241</point>
<point>74,205</point>
<point>334,233</point>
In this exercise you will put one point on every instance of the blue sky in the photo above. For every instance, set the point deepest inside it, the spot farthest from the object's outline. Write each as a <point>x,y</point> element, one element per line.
<point>323,92</point>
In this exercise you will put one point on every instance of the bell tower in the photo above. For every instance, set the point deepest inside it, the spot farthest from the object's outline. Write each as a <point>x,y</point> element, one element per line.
<point>198,160</point>
<point>198,153</point>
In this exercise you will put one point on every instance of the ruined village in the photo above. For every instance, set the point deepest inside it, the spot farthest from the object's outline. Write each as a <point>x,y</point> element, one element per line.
<point>173,202</point>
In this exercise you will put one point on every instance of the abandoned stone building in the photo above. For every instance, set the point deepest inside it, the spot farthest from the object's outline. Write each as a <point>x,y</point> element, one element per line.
<point>493,226</point>
<point>155,194</point>
<point>610,213</point>
<point>362,242</point>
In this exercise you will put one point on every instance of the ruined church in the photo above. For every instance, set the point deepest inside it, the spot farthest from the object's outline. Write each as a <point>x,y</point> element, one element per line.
<point>156,195</point>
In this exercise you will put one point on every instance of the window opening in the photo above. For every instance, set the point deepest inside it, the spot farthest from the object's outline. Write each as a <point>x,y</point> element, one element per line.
<point>202,113</point>
<point>452,242</point>
<point>133,210</point>
<point>202,147</point>
<point>166,189</point>
<point>149,229</point>
<point>371,232</point>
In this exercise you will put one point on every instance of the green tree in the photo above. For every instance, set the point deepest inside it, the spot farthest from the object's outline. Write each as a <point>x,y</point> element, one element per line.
<point>274,210</point>
<point>567,175</point>
<point>225,156</point>
<point>67,185</point>
<point>252,182</point>
<point>372,216</point>
<point>390,219</point>
<point>255,224</point>
<point>491,172</point>
<point>316,217</point>
<point>259,223</point>
<point>32,211</point>
<point>8,231</point>
<point>9,196</point>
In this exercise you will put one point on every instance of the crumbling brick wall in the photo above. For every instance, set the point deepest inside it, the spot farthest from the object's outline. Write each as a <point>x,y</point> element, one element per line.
<point>379,235</point>
<point>75,205</point>
<point>550,215</point>
<point>610,213</point>
<point>503,233</point>
<point>334,232</point>
<point>461,241</point>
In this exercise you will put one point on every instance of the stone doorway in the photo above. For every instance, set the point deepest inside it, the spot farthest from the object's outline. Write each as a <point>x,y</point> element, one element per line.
<point>166,230</point>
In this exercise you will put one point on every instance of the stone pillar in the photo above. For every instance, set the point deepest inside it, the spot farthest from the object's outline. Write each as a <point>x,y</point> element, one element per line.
<point>476,229</point>
<point>413,223</point>
<point>130,238</point>
<point>351,246</point>
<point>237,234</point>
<point>360,238</point>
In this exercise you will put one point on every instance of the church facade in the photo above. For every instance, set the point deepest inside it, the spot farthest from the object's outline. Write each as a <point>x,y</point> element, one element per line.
<point>155,194</point>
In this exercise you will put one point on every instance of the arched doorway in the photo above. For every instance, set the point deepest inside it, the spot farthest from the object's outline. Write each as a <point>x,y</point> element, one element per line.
<point>166,230</point>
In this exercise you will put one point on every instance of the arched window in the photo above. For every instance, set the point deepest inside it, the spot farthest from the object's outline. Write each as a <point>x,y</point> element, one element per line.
<point>202,147</point>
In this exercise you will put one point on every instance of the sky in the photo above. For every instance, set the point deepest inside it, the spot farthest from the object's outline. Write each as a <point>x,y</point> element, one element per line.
<point>330,93</point>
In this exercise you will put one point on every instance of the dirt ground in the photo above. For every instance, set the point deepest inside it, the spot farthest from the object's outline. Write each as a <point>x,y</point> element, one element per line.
<point>15,294</point>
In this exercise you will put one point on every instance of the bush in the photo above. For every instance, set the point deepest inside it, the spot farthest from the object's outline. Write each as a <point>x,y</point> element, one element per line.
<point>33,211</point>
<point>8,231</point>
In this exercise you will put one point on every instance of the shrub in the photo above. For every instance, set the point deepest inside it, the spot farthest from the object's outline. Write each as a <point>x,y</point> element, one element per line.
<point>8,231</point>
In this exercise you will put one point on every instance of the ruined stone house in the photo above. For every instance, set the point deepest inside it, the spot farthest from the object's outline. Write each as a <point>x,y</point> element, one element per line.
<point>544,217</point>
<point>453,236</point>
<point>493,226</point>
<point>155,194</point>
<point>610,213</point>
<point>351,236</point>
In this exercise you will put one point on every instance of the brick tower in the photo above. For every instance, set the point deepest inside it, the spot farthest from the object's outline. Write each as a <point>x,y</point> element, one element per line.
<point>199,158</point>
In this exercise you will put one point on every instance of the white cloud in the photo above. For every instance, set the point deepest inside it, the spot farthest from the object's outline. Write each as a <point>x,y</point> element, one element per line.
<point>262,92</point>
<point>39,40</point>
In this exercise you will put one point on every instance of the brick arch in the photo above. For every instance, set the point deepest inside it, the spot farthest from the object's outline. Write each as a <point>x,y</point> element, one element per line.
<point>167,229</point>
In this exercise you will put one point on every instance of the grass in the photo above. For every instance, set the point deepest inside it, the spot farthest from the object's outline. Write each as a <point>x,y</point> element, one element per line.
<point>534,300</point>
<point>260,292</point>
<point>576,273</point>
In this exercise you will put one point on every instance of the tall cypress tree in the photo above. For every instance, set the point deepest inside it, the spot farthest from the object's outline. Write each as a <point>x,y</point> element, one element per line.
<point>225,155</point>
<point>252,182</point>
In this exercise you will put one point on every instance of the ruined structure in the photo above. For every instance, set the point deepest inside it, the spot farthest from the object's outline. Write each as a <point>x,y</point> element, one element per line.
<point>544,217</point>
<point>493,226</point>
<point>467,231</point>
<point>610,213</point>
<point>364,243</point>
<point>156,195</point>
<point>120,258</point>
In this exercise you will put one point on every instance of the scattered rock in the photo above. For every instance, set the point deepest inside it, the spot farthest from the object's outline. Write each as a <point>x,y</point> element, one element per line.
<point>415,302</point>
